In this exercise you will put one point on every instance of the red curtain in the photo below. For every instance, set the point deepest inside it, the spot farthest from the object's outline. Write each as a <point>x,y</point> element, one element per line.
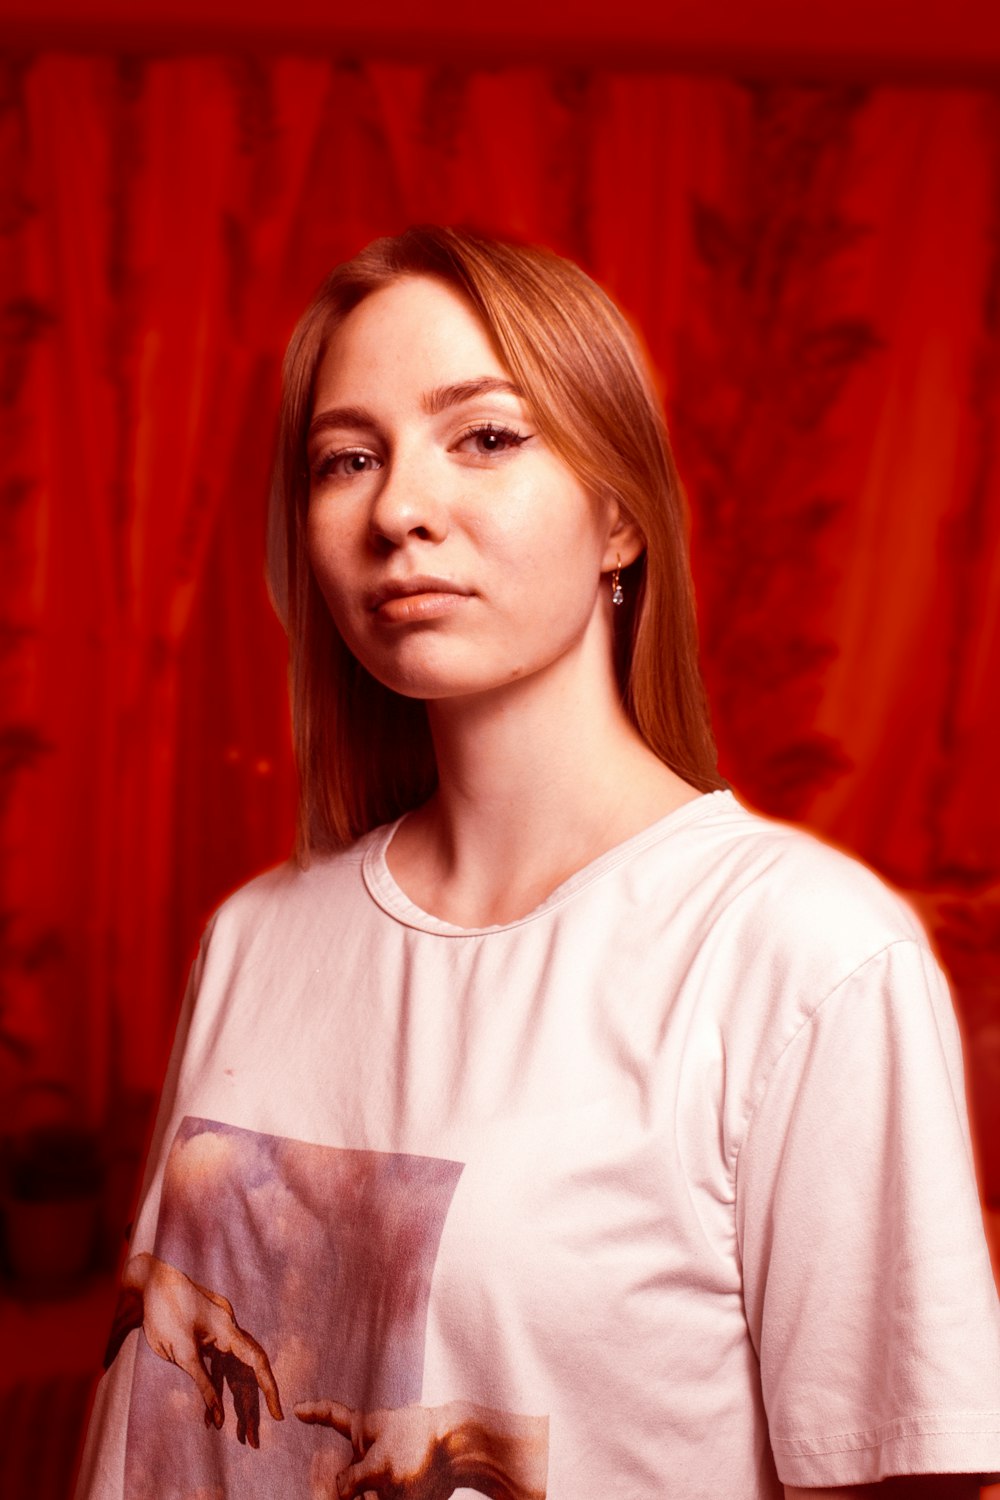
<point>816,270</point>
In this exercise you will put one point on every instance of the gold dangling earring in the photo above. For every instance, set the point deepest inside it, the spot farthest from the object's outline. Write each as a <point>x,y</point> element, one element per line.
<point>617,592</point>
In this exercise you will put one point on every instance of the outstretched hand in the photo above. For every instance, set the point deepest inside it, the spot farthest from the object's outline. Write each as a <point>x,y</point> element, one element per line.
<point>398,1454</point>
<point>427,1453</point>
<point>186,1324</point>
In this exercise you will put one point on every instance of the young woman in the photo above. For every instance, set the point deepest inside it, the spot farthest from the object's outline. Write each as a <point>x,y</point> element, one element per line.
<point>553,1126</point>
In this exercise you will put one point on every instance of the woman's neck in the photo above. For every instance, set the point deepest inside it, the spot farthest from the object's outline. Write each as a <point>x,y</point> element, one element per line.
<point>535,781</point>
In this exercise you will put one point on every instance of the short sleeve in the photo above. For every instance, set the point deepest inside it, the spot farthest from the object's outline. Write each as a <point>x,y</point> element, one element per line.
<point>867,1281</point>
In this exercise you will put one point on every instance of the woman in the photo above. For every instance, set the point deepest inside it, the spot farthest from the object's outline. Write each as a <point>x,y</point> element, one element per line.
<point>554,1127</point>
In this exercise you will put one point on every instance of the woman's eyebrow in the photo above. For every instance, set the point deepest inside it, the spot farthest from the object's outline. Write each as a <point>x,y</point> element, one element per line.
<point>444,396</point>
<point>341,416</point>
<point>433,403</point>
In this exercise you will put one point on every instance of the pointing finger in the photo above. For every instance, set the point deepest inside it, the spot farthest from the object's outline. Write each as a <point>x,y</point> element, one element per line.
<point>251,1353</point>
<point>326,1414</point>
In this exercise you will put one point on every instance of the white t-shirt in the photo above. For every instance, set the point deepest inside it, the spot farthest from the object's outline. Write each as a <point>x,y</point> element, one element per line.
<point>678,1162</point>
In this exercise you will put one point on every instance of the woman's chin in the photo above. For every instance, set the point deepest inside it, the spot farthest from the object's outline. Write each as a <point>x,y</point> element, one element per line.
<point>438,685</point>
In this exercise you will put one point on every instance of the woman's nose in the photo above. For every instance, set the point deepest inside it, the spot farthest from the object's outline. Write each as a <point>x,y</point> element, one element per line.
<point>410,500</point>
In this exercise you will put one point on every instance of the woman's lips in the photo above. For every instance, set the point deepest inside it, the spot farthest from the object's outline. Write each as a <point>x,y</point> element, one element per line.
<point>423,606</point>
<point>416,599</point>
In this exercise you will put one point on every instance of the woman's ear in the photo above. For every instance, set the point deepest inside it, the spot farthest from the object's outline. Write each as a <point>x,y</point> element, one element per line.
<point>625,541</point>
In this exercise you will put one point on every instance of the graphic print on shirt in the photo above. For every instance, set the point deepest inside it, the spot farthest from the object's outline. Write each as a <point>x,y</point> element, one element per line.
<point>284,1314</point>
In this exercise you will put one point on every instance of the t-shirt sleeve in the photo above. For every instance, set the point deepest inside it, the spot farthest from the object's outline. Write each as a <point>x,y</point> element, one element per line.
<point>867,1281</point>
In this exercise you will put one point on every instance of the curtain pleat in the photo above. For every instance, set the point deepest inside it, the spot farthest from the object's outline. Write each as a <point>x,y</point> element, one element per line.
<point>816,272</point>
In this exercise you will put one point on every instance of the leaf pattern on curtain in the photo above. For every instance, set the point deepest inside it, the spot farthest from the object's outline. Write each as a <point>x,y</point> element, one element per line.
<point>963,900</point>
<point>26,320</point>
<point>817,274</point>
<point>764,355</point>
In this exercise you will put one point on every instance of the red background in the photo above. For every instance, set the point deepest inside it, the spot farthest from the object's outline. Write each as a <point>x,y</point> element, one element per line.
<point>799,205</point>
<point>810,245</point>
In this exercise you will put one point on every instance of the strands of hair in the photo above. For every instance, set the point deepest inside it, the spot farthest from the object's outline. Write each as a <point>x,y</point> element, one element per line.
<point>364,753</point>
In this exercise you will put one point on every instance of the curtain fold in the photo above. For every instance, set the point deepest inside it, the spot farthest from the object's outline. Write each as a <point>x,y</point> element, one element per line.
<point>816,272</point>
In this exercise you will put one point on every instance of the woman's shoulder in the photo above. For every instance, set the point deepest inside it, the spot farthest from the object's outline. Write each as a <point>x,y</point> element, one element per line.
<point>293,893</point>
<point>783,891</point>
<point>787,921</point>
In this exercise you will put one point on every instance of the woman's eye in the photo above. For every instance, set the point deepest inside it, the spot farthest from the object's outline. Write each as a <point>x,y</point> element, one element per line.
<point>345,465</point>
<point>490,438</point>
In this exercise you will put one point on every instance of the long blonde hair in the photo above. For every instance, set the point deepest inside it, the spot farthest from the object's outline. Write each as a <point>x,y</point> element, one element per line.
<point>364,752</point>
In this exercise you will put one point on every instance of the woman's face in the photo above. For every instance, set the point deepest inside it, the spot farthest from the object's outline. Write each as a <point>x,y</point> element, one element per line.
<point>456,552</point>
